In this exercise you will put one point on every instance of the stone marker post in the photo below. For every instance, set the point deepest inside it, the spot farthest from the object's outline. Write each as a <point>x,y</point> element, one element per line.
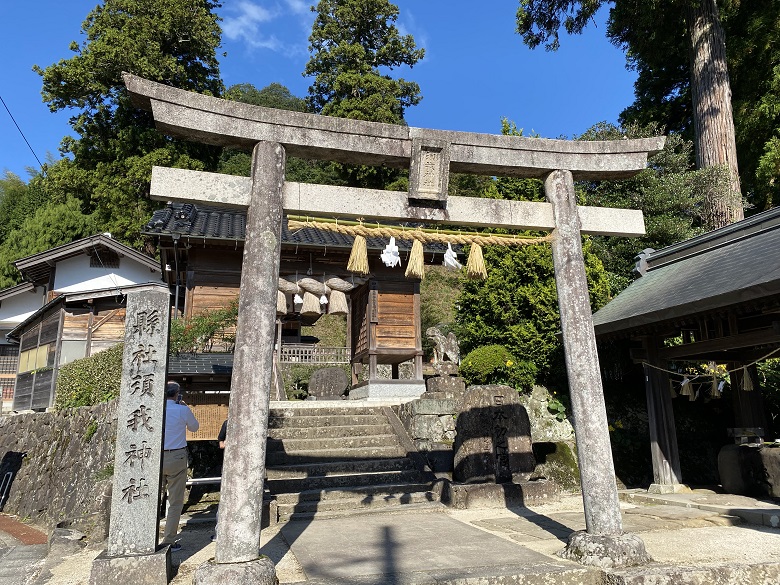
<point>603,543</point>
<point>241,496</point>
<point>131,555</point>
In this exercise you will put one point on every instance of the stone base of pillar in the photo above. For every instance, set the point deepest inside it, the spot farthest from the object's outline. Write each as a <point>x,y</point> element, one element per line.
<point>151,569</point>
<point>257,572</point>
<point>606,551</point>
<point>462,496</point>
<point>668,488</point>
<point>393,390</point>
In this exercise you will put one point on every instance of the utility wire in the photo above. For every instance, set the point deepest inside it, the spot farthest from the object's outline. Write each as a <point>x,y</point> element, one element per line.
<point>20,132</point>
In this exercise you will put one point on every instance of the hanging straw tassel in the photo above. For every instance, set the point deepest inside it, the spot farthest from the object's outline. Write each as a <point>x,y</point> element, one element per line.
<point>415,268</point>
<point>338,303</point>
<point>672,391</point>
<point>475,267</point>
<point>311,304</point>
<point>686,388</point>
<point>281,304</point>
<point>715,389</point>
<point>747,381</point>
<point>358,258</point>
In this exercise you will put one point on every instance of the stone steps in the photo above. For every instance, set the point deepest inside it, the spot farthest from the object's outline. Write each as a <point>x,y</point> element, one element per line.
<point>330,432</point>
<point>416,508</point>
<point>331,443</point>
<point>317,420</point>
<point>335,461</point>
<point>338,468</point>
<point>356,493</point>
<point>314,502</point>
<point>355,479</point>
<point>317,456</point>
<point>325,410</point>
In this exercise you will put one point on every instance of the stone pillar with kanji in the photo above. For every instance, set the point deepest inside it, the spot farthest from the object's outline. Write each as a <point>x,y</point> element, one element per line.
<point>131,555</point>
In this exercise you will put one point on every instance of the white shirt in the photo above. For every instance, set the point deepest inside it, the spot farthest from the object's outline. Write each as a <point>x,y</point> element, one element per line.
<point>178,418</point>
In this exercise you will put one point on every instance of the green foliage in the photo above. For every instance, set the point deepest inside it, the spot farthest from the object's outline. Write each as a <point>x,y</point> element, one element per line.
<point>172,42</point>
<point>51,225</point>
<point>557,407</point>
<point>439,292</point>
<point>769,376</point>
<point>331,330</point>
<point>90,431</point>
<point>275,95</point>
<point>18,201</point>
<point>655,36</point>
<point>669,193</point>
<point>539,21</point>
<point>495,364</point>
<point>201,332</point>
<point>517,306</point>
<point>351,42</point>
<point>656,46</point>
<point>90,380</point>
<point>296,380</point>
<point>105,473</point>
<point>753,51</point>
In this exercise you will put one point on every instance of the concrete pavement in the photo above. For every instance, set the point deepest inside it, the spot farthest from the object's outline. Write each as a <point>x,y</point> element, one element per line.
<point>23,551</point>
<point>694,538</point>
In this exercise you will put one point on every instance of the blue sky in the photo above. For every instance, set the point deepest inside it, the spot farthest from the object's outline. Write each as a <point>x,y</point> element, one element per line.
<point>476,69</point>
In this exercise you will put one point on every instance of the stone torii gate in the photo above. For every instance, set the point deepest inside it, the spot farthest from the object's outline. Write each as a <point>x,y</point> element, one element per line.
<point>430,155</point>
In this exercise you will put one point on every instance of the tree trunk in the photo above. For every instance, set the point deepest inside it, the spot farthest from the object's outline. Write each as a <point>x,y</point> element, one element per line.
<point>713,121</point>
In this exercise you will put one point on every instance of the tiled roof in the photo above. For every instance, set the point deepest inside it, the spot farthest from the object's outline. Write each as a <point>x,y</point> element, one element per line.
<point>12,291</point>
<point>212,223</point>
<point>200,363</point>
<point>734,264</point>
<point>36,268</point>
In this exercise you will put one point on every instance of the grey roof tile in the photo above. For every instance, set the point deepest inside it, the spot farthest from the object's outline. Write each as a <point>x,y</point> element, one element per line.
<point>715,272</point>
<point>199,221</point>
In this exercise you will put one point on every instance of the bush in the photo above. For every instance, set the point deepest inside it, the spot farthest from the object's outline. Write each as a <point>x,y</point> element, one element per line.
<point>90,380</point>
<point>495,364</point>
<point>205,330</point>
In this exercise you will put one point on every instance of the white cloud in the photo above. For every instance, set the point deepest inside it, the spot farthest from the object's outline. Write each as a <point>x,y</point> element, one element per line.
<point>265,25</point>
<point>299,6</point>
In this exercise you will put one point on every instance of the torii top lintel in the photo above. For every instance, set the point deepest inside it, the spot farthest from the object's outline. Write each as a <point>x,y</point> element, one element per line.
<point>211,120</point>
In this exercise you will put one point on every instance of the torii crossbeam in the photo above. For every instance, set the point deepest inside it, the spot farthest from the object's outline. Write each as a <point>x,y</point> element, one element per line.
<point>430,155</point>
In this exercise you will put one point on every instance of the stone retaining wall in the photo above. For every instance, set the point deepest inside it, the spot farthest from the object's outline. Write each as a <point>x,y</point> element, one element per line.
<point>430,424</point>
<point>61,464</point>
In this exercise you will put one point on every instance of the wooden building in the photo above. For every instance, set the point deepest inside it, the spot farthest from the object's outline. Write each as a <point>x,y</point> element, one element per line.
<point>201,251</point>
<point>713,298</point>
<point>83,285</point>
<point>16,304</point>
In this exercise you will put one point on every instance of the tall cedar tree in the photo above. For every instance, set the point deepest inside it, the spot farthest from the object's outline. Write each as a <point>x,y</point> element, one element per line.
<point>632,23</point>
<point>353,44</point>
<point>753,51</point>
<point>116,145</point>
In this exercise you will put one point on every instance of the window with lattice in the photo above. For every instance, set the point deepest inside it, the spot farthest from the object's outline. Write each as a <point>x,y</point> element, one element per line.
<point>104,259</point>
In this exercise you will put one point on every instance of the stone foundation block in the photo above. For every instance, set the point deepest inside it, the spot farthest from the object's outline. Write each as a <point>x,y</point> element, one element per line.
<point>450,386</point>
<point>151,569</point>
<point>388,390</point>
<point>606,551</point>
<point>499,495</point>
<point>257,572</point>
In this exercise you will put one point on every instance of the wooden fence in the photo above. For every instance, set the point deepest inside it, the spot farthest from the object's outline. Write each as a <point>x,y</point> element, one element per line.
<point>293,353</point>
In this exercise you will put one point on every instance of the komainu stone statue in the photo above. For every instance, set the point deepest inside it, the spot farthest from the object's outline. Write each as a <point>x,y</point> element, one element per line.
<point>444,347</point>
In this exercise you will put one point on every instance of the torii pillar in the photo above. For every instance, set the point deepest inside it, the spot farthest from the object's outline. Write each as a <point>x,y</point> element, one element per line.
<point>430,155</point>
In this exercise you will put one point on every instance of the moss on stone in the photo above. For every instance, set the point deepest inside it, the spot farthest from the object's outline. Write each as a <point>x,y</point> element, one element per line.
<point>558,462</point>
